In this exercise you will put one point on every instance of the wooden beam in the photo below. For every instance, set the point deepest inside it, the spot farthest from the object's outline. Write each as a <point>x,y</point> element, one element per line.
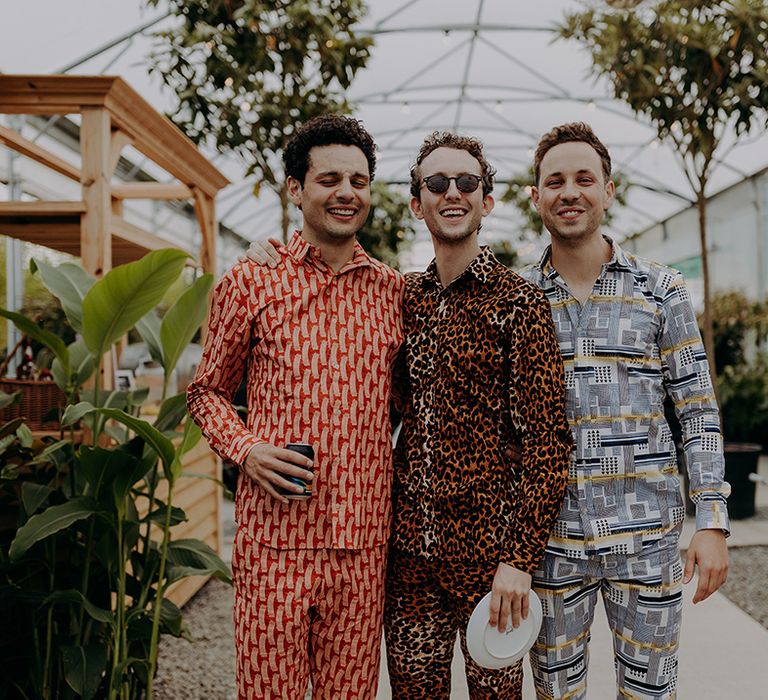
<point>151,190</point>
<point>118,142</point>
<point>27,148</point>
<point>140,237</point>
<point>40,209</point>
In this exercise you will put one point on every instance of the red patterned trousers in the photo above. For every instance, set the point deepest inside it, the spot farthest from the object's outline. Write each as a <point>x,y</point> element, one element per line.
<point>304,614</point>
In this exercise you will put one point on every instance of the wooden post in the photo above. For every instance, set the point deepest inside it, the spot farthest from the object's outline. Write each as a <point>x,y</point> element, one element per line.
<point>95,233</point>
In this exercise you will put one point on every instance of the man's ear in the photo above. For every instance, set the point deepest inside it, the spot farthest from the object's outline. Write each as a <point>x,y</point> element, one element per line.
<point>488,204</point>
<point>418,212</point>
<point>535,197</point>
<point>610,193</point>
<point>294,190</point>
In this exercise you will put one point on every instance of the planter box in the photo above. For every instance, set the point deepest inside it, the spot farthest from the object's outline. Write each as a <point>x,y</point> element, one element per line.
<point>38,398</point>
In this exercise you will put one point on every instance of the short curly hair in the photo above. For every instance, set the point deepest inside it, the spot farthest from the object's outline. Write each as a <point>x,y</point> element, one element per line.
<point>326,130</point>
<point>448,139</point>
<point>579,132</point>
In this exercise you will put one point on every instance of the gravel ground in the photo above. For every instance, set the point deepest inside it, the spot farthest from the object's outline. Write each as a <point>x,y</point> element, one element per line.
<point>205,669</point>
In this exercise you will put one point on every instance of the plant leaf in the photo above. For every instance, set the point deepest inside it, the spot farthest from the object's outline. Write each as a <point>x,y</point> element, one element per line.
<point>9,399</point>
<point>75,596</point>
<point>76,412</point>
<point>191,437</point>
<point>116,302</point>
<point>149,330</point>
<point>49,522</point>
<point>30,328</point>
<point>183,319</point>
<point>33,496</point>
<point>82,365</point>
<point>84,668</point>
<point>161,444</point>
<point>188,557</point>
<point>171,413</point>
<point>69,283</point>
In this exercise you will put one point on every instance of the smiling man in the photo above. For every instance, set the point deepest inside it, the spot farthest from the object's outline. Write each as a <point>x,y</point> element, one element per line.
<point>479,370</point>
<point>316,335</point>
<point>628,336</point>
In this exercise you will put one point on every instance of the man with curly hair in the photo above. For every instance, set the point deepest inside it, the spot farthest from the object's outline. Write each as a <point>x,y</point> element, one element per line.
<point>316,337</point>
<point>479,370</point>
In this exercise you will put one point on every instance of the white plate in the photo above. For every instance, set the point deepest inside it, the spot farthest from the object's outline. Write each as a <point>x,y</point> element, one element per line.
<point>493,649</point>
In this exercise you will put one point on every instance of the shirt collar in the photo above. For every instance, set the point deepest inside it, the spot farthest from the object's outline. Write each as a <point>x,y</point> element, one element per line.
<point>618,261</point>
<point>299,248</point>
<point>480,268</point>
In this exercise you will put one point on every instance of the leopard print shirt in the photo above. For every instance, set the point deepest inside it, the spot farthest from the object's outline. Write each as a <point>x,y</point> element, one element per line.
<point>480,369</point>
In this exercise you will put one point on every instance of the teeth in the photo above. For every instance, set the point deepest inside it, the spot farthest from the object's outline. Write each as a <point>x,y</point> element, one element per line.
<point>570,214</point>
<point>453,212</point>
<point>342,212</point>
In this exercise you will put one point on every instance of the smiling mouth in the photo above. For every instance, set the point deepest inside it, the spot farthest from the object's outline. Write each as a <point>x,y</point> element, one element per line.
<point>454,213</point>
<point>342,212</point>
<point>570,213</point>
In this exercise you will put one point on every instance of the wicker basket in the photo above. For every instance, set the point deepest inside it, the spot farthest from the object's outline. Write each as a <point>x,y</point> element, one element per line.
<point>37,400</point>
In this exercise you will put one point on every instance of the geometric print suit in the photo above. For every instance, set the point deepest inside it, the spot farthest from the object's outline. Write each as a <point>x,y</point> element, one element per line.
<point>631,344</point>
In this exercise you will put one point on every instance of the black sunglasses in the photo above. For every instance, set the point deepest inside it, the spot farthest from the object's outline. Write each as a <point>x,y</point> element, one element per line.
<point>466,183</point>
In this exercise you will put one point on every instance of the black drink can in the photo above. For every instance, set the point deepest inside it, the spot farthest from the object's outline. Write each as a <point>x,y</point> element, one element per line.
<point>303,449</point>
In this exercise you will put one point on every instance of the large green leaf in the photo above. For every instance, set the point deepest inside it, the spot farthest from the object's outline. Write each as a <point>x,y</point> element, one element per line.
<point>49,522</point>
<point>171,413</point>
<point>161,444</point>
<point>190,438</point>
<point>74,413</point>
<point>182,321</point>
<point>190,557</point>
<point>149,330</point>
<point>69,283</point>
<point>31,329</point>
<point>116,302</point>
<point>82,365</point>
<point>76,597</point>
<point>84,668</point>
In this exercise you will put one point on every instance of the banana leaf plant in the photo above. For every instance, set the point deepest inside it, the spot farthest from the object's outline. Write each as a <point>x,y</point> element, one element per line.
<point>86,552</point>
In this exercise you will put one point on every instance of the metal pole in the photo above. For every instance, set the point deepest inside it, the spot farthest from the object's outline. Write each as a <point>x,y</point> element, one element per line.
<point>14,277</point>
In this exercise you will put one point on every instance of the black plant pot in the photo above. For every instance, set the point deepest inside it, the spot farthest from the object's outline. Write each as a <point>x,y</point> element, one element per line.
<point>741,460</point>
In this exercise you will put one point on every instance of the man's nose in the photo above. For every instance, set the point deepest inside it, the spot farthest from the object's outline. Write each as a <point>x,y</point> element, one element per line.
<point>570,191</point>
<point>345,189</point>
<point>453,191</point>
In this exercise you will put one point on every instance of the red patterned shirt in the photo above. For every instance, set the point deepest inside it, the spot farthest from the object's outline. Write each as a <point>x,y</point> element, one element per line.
<point>318,347</point>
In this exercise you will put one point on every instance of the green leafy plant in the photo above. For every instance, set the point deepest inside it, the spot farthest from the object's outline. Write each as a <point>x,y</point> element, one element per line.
<point>389,228</point>
<point>86,553</point>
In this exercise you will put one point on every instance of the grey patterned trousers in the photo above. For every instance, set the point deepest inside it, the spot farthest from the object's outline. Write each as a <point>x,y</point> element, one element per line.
<point>642,594</point>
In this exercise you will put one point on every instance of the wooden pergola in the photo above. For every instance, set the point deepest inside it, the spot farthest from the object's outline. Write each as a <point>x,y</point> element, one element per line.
<point>113,116</point>
<point>93,228</point>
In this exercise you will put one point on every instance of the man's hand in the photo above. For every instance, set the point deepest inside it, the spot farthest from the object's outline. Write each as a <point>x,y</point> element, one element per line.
<point>266,464</point>
<point>709,552</point>
<point>263,252</point>
<point>509,595</point>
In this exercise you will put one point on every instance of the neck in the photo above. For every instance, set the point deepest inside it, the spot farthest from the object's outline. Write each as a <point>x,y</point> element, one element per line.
<point>336,252</point>
<point>582,260</point>
<point>453,258</point>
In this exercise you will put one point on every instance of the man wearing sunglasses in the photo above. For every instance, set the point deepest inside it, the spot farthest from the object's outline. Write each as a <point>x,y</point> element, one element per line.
<point>479,370</point>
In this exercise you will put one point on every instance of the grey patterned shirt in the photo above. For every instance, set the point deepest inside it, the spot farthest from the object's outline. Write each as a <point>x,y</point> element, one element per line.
<point>634,341</point>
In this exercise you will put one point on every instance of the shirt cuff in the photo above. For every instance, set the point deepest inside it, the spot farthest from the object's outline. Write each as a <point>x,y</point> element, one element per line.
<point>242,446</point>
<point>713,515</point>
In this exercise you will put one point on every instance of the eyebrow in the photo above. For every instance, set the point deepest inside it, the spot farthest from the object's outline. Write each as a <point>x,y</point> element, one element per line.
<point>583,171</point>
<point>336,173</point>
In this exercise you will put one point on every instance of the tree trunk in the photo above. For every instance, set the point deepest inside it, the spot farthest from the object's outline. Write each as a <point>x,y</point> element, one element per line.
<point>284,203</point>
<point>709,335</point>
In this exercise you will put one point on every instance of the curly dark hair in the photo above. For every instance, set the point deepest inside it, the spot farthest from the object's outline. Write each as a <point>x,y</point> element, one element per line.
<point>448,139</point>
<point>568,133</point>
<point>326,130</point>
